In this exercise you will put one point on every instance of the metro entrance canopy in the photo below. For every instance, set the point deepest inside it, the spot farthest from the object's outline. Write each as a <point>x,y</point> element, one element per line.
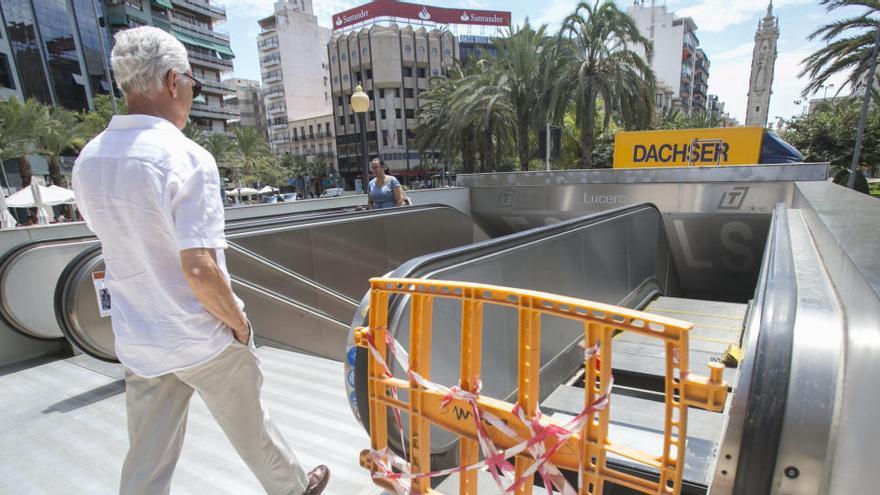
<point>417,12</point>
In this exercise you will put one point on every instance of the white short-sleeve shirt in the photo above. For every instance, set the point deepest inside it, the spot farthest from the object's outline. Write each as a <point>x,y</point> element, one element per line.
<point>149,192</point>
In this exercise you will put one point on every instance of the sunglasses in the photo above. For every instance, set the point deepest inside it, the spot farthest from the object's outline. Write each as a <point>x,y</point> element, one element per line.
<point>196,85</point>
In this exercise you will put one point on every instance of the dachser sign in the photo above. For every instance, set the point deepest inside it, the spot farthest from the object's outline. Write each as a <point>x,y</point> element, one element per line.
<point>403,10</point>
<point>688,147</point>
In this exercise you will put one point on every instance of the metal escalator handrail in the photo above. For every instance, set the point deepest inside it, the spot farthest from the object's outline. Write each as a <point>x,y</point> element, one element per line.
<point>415,267</point>
<point>285,300</point>
<point>324,290</point>
<point>7,261</point>
<point>769,360</point>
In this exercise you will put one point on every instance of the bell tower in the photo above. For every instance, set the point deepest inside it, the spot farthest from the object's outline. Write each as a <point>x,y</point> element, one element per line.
<point>763,63</point>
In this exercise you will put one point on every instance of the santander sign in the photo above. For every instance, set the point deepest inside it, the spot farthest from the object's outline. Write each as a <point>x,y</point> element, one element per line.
<point>418,12</point>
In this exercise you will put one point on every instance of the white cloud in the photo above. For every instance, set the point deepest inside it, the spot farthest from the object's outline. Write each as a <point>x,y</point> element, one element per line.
<point>718,15</point>
<point>553,14</point>
<point>325,9</point>
<point>730,81</point>
<point>734,53</point>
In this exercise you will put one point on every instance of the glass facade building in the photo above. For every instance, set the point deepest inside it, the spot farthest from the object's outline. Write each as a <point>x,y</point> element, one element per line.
<point>56,49</point>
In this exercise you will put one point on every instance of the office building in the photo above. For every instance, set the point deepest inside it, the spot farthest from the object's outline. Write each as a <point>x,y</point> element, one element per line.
<point>248,98</point>
<point>395,50</point>
<point>53,51</point>
<point>676,53</point>
<point>296,79</point>
<point>193,22</point>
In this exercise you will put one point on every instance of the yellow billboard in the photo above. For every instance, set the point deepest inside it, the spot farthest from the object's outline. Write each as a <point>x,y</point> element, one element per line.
<point>688,147</point>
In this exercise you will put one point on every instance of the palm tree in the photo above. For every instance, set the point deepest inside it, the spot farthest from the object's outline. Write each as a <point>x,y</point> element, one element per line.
<point>848,44</point>
<point>519,59</point>
<point>593,58</point>
<point>20,124</point>
<point>219,145</point>
<point>193,132</point>
<point>480,105</point>
<point>438,128</point>
<point>63,132</point>
<point>252,151</point>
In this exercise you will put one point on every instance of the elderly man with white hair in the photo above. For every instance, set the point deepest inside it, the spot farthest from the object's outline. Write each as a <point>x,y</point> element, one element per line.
<point>153,198</point>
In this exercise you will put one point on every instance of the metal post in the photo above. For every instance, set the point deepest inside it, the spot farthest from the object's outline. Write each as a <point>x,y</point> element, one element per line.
<point>365,173</point>
<point>547,148</point>
<point>869,86</point>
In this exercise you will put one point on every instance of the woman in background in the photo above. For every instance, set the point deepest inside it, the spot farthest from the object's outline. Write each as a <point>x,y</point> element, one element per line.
<point>384,189</point>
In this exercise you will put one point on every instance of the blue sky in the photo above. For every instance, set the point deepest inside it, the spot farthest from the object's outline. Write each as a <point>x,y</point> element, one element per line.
<point>725,28</point>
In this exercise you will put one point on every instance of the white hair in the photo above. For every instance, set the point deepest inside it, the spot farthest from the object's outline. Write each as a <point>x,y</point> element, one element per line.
<point>143,56</point>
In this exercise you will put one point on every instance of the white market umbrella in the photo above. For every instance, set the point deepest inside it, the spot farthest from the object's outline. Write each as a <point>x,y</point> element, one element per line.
<point>7,221</point>
<point>51,196</point>
<point>244,191</point>
<point>268,190</point>
<point>43,217</point>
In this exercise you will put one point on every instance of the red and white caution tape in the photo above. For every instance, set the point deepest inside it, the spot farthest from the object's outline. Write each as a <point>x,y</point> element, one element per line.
<point>395,470</point>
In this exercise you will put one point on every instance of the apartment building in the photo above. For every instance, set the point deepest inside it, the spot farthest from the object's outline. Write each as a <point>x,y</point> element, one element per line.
<point>676,53</point>
<point>55,52</point>
<point>296,80</point>
<point>193,22</point>
<point>248,98</point>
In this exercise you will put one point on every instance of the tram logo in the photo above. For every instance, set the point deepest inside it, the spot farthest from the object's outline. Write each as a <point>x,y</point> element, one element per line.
<point>734,198</point>
<point>505,199</point>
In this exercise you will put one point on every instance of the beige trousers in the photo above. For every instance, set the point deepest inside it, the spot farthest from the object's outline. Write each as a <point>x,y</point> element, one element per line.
<point>230,386</point>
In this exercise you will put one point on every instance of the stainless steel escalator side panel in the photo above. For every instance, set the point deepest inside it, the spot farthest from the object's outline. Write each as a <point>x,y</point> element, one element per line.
<point>274,315</point>
<point>717,230</point>
<point>843,225</point>
<point>306,304</point>
<point>754,420</point>
<point>342,254</point>
<point>28,276</point>
<point>616,257</point>
<point>807,441</point>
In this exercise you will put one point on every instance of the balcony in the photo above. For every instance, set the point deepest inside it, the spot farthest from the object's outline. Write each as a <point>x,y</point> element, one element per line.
<point>201,60</point>
<point>275,94</point>
<point>217,87</point>
<point>213,111</point>
<point>280,140</point>
<point>202,7</point>
<point>278,127</point>
<point>270,77</point>
<point>277,110</point>
<point>268,44</point>
<point>270,61</point>
<point>200,30</point>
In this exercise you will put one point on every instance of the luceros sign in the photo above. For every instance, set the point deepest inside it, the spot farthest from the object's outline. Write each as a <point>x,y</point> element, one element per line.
<point>417,12</point>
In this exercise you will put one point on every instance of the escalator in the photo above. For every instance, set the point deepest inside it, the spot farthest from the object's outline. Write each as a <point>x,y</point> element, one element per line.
<point>620,257</point>
<point>298,277</point>
<point>28,274</point>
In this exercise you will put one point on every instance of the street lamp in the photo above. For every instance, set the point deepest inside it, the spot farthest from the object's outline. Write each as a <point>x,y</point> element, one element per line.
<point>360,103</point>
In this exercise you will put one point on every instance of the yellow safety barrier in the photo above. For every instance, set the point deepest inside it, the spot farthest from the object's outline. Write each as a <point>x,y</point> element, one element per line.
<point>500,430</point>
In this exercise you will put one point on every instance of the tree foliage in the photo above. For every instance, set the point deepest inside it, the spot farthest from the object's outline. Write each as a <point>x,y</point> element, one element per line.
<point>847,47</point>
<point>826,134</point>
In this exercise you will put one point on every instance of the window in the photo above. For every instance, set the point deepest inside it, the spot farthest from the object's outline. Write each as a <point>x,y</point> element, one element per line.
<point>369,73</point>
<point>339,100</point>
<point>311,132</point>
<point>370,94</point>
<point>397,92</point>
<point>6,79</point>
<point>407,92</point>
<point>357,75</point>
<point>420,72</point>
<point>372,116</point>
<point>409,134</point>
<point>381,93</point>
<point>384,138</point>
<point>295,136</point>
<point>302,130</point>
<point>396,113</point>
<point>351,119</point>
<point>399,136</point>
<point>342,120</point>
<point>410,113</point>
<point>407,72</point>
<point>382,114</point>
<point>757,109</point>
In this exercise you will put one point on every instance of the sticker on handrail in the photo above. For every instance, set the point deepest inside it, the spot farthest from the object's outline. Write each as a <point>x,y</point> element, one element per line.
<point>102,293</point>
